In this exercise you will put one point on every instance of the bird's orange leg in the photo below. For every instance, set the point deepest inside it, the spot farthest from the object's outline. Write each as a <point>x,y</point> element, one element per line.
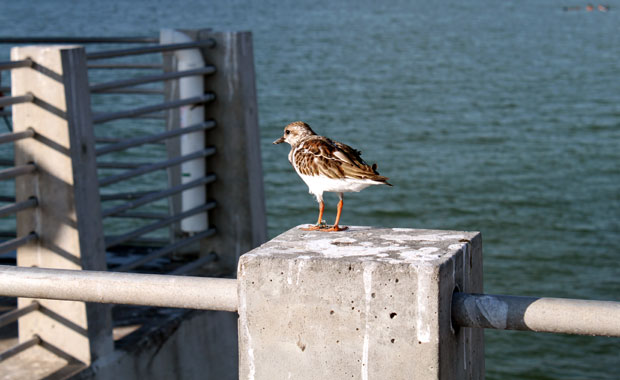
<point>335,227</point>
<point>319,224</point>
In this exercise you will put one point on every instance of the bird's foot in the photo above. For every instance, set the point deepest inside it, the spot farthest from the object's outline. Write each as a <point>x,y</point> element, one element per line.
<point>335,229</point>
<point>316,227</point>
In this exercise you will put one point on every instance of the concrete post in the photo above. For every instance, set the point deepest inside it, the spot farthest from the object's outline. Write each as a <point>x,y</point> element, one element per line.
<point>367,303</point>
<point>239,217</point>
<point>68,219</point>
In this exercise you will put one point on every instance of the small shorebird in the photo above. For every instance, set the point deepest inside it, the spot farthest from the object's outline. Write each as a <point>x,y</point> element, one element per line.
<point>327,165</point>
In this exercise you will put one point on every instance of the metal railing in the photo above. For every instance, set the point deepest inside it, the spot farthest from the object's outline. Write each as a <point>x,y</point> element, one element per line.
<point>13,172</point>
<point>553,315</point>
<point>102,118</point>
<point>111,147</point>
<point>120,288</point>
<point>138,159</point>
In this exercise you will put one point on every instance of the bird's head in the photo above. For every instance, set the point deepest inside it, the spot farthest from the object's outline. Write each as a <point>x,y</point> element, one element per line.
<point>295,132</point>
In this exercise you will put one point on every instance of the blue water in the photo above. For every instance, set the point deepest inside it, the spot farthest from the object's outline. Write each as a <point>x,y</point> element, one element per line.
<point>501,117</point>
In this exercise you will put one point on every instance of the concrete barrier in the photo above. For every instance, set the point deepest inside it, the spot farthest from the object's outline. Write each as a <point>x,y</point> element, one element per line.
<point>368,303</point>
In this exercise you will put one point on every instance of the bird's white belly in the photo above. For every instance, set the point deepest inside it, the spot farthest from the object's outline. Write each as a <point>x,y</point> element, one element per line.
<point>319,184</point>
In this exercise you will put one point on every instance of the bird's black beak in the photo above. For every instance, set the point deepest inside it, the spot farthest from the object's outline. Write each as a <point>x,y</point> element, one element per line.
<point>279,141</point>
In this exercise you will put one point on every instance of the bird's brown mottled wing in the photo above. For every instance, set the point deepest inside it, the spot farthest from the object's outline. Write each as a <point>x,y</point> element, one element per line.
<point>321,156</point>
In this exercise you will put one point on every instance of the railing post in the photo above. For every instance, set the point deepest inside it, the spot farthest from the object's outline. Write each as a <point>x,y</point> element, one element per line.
<point>240,213</point>
<point>368,303</point>
<point>240,217</point>
<point>68,218</point>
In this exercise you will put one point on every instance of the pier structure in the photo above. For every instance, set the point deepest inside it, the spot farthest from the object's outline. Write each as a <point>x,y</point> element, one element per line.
<point>366,303</point>
<point>71,173</point>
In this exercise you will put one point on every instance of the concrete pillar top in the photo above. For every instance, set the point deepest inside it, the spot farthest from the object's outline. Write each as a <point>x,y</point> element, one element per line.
<point>358,243</point>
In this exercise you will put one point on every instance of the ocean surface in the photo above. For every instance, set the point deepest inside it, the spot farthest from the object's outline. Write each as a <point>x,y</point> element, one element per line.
<point>495,116</point>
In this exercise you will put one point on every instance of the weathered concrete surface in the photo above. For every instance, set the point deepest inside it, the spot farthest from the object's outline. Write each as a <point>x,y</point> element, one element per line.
<point>366,303</point>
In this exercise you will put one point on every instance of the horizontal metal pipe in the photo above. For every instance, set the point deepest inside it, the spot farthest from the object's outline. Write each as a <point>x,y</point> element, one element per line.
<point>12,244</point>
<point>11,173</point>
<point>102,118</point>
<point>141,215</point>
<point>155,166</point>
<point>120,165</point>
<point>138,66</point>
<point>137,141</point>
<point>165,250</point>
<point>14,136</point>
<point>145,242</point>
<point>102,87</point>
<point>15,64</point>
<point>151,49</point>
<point>193,265</point>
<point>126,196</point>
<point>13,315</point>
<point>115,240</point>
<point>136,90</point>
<point>120,288</point>
<point>159,195</point>
<point>554,315</point>
<point>10,100</point>
<point>19,206</point>
<point>150,116</point>
<point>76,40</point>
<point>20,347</point>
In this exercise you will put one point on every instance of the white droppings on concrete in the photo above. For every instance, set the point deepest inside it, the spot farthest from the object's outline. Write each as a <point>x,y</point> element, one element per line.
<point>404,238</point>
<point>367,277</point>
<point>359,228</point>
<point>243,321</point>
<point>423,328</point>
<point>300,265</point>
<point>403,229</point>
<point>422,254</point>
<point>289,274</point>
<point>452,237</point>
<point>465,266</point>
<point>455,247</point>
<point>425,237</point>
<point>328,249</point>
<point>344,240</point>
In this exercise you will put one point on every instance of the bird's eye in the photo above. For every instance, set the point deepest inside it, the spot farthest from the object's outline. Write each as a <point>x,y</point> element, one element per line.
<point>287,132</point>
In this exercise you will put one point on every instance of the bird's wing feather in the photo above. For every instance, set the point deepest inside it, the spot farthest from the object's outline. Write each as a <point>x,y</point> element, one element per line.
<point>321,156</point>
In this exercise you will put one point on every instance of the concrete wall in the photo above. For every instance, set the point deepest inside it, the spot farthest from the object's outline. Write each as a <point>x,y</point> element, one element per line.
<point>367,303</point>
<point>186,345</point>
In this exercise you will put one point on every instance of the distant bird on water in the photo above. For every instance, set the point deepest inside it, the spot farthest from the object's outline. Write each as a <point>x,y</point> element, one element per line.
<point>327,165</point>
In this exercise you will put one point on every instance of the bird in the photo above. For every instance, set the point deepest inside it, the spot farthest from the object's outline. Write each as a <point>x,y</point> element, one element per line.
<point>326,165</point>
